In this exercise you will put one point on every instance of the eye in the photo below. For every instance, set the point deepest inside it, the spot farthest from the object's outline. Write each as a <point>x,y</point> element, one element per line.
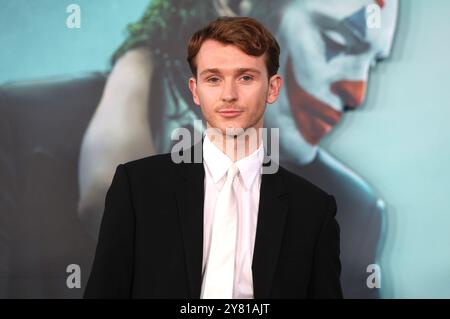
<point>247,78</point>
<point>335,43</point>
<point>212,80</point>
<point>336,37</point>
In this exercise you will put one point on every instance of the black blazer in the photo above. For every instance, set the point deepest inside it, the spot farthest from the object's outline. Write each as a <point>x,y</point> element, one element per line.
<point>151,236</point>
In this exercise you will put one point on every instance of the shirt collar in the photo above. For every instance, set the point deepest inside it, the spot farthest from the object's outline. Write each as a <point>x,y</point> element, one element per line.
<point>218,163</point>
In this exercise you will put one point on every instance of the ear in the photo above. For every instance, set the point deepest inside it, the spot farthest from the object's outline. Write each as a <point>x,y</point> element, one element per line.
<point>193,89</point>
<point>275,83</point>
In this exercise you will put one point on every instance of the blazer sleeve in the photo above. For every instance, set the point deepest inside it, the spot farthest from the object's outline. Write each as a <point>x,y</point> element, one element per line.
<point>325,283</point>
<point>8,193</point>
<point>112,270</point>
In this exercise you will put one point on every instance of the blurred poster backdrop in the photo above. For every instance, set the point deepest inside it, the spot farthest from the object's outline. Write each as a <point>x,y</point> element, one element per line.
<point>87,85</point>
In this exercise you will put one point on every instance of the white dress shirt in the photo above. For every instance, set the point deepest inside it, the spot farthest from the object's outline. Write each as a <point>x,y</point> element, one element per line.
<point>246,187</point>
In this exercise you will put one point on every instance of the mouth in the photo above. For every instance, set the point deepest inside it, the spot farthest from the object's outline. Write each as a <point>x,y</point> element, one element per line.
<point>314,118</point>
<point>230,113</point>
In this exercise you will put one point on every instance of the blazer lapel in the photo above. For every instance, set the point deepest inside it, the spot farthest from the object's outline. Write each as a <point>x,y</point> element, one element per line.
<point>269,232</point>
<point>190,197</point>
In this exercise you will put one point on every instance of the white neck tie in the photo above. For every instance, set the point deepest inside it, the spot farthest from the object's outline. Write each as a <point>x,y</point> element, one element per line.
<point>219,274</point>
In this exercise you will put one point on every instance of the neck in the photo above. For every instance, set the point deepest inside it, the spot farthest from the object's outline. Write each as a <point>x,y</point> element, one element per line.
<point>239,146</point>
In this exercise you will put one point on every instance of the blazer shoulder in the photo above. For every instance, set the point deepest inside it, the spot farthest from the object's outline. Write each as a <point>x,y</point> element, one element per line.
<point>158,161</point>
<point>350,190</point>
<point>307,197</point>
<point>298,185</point>
<point>158,167</point>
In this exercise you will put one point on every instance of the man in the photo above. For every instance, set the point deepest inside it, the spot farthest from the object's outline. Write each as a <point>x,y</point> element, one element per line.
<point>329,51</point>
<point>220,228</point>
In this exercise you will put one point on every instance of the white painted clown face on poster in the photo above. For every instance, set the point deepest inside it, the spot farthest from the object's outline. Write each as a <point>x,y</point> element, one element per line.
<point>328,48</point>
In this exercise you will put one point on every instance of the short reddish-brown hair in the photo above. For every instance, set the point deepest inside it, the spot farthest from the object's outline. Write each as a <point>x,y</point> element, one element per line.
<point>246,33</point>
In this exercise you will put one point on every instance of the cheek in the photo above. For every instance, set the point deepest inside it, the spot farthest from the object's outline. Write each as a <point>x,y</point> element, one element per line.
<point>252,96</point>
<point>258,104</point>
<point>207,99</point>
<point>316,75</point>
<point>354,68</point>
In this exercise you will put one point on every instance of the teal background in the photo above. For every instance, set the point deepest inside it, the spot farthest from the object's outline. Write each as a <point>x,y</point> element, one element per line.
<point>399,141</point>
<point>35,41</point>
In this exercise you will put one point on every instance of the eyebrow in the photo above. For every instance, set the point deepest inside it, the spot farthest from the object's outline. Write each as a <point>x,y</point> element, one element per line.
<point>237,71</point>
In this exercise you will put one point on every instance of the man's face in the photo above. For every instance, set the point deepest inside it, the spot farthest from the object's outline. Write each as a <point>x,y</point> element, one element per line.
<point>232,87</point>
<point>327,51</point>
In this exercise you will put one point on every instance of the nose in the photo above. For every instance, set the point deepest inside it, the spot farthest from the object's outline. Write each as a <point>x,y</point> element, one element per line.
<point>229,93</point>
<point>352,93</point>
